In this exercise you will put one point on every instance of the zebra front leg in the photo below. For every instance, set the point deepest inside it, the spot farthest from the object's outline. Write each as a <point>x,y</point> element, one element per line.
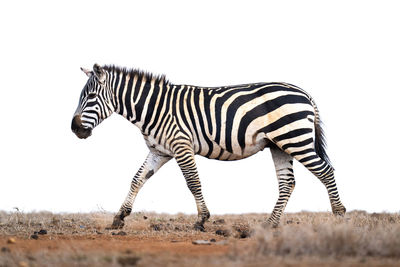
<point>185,160</point>
<point>152,163</point>
<point>284,172</point>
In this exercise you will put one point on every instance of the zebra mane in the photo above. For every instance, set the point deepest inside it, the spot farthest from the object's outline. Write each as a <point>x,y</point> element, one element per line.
<point>138,72</point>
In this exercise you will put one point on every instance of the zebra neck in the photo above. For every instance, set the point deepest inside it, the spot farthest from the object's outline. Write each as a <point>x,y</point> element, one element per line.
<point>136,95</point>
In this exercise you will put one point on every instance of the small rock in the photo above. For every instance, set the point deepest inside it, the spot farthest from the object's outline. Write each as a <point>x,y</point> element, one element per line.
<point>119,233</point>
<point>145,217</point>
<point>11,240</point>
<point>219,221</point>
<point>35,236</point>
<point>157,227</point>
<point>201,242</point>
<point>243,231</point>
<point>245,234</point>
<point>222,232</point>
<point>5,249</point>
<point>98,232</point>
<point>213,240</point>
<point>128,261</point>
<point>42,232</point>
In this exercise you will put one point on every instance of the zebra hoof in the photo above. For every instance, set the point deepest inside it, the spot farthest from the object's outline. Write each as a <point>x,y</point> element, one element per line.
<point>199,227</point>
<point>117,224</point>
<point>270,225</point>
<point>339,211</point>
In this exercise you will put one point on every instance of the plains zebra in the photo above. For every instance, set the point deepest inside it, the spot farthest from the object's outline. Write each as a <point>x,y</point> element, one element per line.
<point>224,123</point>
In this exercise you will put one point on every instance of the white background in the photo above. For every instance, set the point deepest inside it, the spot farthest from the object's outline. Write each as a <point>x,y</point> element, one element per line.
<point>346,54</point>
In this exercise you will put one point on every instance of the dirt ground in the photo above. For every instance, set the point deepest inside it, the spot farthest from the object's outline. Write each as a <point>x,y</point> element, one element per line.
<point>118,244</point>
<point>303,239</point>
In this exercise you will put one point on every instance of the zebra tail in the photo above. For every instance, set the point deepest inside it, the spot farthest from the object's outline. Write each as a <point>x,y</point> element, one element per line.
<point>320,139</point>
<point>320,142</point>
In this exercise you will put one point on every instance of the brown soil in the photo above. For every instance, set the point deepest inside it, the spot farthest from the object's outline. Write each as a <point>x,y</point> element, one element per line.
<point>122,244</point>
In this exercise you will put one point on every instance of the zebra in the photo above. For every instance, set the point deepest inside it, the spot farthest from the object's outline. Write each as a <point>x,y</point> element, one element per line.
<point>222,123</point>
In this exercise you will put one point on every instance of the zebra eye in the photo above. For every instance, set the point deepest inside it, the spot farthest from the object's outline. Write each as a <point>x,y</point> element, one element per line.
<point>91,95</point>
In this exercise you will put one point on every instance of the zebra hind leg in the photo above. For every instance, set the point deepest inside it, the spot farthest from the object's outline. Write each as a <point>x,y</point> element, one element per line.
<point>284,171</point>
<point>325,173</point>
<point>152,163</point>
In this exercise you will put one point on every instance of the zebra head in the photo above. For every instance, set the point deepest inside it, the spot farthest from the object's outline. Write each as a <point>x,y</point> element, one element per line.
<point>95,103</point>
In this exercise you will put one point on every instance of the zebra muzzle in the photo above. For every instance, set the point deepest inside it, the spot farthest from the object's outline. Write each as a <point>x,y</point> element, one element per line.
<point>78,129</point>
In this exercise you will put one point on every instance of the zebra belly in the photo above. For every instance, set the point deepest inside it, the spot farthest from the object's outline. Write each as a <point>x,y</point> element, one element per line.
<point>220,153</point>
<point>153,145</point>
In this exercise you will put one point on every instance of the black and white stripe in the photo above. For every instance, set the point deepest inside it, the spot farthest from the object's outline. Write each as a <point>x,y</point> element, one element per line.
<point>223,123</point>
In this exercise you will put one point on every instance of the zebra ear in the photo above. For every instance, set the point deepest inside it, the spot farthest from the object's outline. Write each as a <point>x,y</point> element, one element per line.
<point>89,73</point>
<point>99,72</point>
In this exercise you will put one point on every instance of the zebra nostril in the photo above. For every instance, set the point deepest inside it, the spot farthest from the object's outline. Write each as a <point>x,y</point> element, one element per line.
<point>78,129</point>
<point>76,123</point>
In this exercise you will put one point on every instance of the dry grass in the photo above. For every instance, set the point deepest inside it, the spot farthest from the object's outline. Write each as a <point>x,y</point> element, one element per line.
<point>308,239</point>
<point>357,235</point>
